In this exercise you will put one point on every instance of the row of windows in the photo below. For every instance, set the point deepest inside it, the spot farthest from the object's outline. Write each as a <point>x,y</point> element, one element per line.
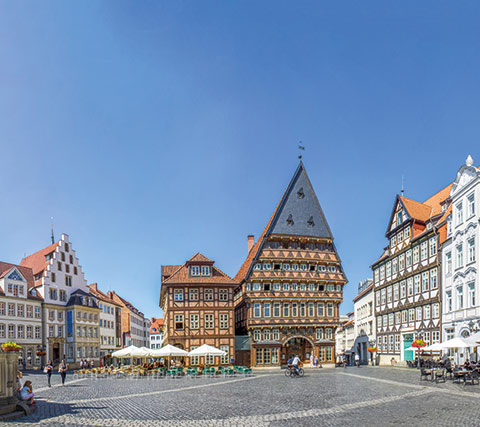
<point>391,343</point>
<point>209,321</point>
<point>458,211</point>
<point>107,309</point>
<point>20,331</point>
<point>424,312</point>
<point>67,269</point>
<point>15,290</point>
<point>398,264</point>
<point>277,309</point>
<point>68,279</point>
<point>460,302</point>
<point>108,340</point>
<point>402,235</point>
<point>267,287</point>
<point>20,310</point>
<point>84,352</point>
<point>288,244</point>
<point>274,334</point>
<point>197,270</point>
<point>83,331</point>
<point>58,294</point>
<point>107,324</point>
<point>413,285</point>
<point>83,315</point>
<point>364,310</point>
<point>137,321</point>
<point>295,267</point>
<point>459,259</point>
<point>194,294</point>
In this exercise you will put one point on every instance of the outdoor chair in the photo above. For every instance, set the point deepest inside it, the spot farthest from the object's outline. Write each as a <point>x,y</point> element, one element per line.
<point>425,373</point>
<point>471,377</point>
<point>457,376</point>
<point>440,375</point>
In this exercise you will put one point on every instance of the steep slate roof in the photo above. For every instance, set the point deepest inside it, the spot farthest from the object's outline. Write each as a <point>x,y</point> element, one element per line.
<point>300,209</point>
<point>37,260</point>
<point>76,299</point>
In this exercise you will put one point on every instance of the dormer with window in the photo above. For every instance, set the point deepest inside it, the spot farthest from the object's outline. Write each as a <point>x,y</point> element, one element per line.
<point>194,270</point>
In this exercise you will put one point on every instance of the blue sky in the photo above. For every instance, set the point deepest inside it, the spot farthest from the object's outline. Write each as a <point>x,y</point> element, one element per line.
<point>152,130</point>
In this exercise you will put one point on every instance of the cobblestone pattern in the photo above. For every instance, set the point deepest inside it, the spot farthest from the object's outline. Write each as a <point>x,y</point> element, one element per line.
<point>365,396</point>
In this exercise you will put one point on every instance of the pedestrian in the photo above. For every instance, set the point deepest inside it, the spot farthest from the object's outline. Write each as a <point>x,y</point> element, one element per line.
<point>357,360</point>
<point>23,364</point>
<point>48,370</point>
<point>92,364</point>
<point>311,360</point>
<point>62,369</point>
<point>315,363</point>
<point>232,361</point>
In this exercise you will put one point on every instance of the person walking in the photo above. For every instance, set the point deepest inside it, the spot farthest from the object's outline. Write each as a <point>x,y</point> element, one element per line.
<point>315,363</point>
<point>357,360</point>
<point>62,369</point>
<point>48,370</point>
<point>311,361</point>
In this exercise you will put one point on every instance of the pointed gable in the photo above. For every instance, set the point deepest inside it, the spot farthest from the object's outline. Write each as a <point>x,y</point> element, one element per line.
<point>299,212</point>
<point>37,261</point>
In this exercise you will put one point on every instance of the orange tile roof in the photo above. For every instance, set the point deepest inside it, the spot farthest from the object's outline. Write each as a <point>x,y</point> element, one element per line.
<point>198,257</point>
<point>429,208</point>
<point>437,198</point>
<point>156,324</point>
<point>100,295</point>
<point>182,276</point>
<point>26,272</point>
<point>37,260</point>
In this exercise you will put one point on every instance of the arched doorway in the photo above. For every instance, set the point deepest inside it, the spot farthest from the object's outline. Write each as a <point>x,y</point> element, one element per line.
<point>298,345</point>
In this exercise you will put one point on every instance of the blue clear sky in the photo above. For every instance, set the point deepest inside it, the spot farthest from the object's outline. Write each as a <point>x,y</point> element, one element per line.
<point>152,130</point>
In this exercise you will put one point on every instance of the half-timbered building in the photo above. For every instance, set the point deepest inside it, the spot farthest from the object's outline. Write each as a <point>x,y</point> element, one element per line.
<point>291,283</point>
<point>197,300</point>
<point>407,277</point>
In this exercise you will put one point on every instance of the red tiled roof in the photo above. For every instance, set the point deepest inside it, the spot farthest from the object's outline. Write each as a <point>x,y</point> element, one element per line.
<point>37,260</point>
<point>100,295</point>
<point>156,324</point>
<point>198,257</point>
<point>26,272</point>
<point>182,275</point>
<point>429,208</point>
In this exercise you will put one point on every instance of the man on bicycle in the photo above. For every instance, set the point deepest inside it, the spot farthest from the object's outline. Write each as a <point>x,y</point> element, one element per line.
<point>295,363</point>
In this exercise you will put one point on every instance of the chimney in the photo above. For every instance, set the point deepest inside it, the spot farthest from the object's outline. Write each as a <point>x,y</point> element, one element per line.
<point>251,242</point>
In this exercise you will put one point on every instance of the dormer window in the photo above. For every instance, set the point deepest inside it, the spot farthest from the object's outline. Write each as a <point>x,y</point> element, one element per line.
<point>257,267</point>
<point>194,270</point>
<point>205,270</point>
<point>300,193</point>
<point>290,220</point>
<point>310,222</point>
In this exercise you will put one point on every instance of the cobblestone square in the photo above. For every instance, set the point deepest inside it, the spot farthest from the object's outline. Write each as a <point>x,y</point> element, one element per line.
<point>330,397</point>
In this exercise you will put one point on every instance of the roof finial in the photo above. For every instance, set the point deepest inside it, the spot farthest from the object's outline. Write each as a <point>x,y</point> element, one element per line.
<point>302,148</point>
<point>469,161</point>
<point>403,189</point>
<point>53,238</point>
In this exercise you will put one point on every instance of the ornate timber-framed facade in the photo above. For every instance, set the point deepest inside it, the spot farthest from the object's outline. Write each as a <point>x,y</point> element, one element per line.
<point>406,278</point>
<point>197,301</point>
<point>291,283</point>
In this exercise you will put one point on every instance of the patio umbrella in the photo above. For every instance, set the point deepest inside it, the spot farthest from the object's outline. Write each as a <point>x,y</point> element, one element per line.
<point>207,350</point>
<point>434,347</point>
<point>125,352</point>
<point>455,342</point>
<point>168,351</point>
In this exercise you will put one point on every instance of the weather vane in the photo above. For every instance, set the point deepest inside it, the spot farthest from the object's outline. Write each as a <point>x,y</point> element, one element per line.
<point>300,149</point>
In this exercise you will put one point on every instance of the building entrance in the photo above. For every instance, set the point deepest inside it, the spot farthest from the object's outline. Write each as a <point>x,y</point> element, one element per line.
<point>56,353</point>
<point>297,346</point>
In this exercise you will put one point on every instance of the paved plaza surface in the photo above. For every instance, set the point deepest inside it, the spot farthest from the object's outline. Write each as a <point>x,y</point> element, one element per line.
<point>365,396</point>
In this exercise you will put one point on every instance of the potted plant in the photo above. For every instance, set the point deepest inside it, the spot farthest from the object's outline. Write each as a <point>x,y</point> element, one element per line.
<point>11,346</point>
<point>41,353</point>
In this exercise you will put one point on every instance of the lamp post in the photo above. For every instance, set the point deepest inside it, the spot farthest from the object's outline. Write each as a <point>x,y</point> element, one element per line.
<point>420,336</point>
<point>474,327</point>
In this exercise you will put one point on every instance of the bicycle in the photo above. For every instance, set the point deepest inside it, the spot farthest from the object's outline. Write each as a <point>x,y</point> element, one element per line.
<point>292,372</point>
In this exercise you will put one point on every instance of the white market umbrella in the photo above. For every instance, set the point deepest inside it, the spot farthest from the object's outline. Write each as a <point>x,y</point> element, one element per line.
<point>411,349</point>
<point>125,352</point>
<point>168,351</point>
<point>433,347</point>
<point>455,342</point>
<point>207,350</point>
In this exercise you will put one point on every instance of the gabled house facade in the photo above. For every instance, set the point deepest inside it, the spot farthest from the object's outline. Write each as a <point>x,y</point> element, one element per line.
<point>291,283</point>
<point>407,277</point>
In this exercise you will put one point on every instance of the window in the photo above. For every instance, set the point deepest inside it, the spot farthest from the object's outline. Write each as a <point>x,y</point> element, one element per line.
<point>330,309</point>
<point>53,294</point>
<point>383,293</point>
<point>286,310</point>
<point>223,321</point>
<point>459,256</point>
<point>459,297</point>
<point>415,255</point>
<point>205,270</point>
<point>178,321</point>
<point>389,269</point>
<point>320,309</point>
<point>410,286</point>
<point>257,310</point>
<point>403,289</point>
<point>209,321</point>
<point>60,331</point>
<point>418,315</point>
<point>425,281</point>
<point>29,311</point>
<point>259,356</point>
<point>417,283</point>
<point>433,279</point>
<point>302,309</point>
<point>435,337</point>
<point>266,334</point>
<point>257,335</point>
<point>408,258</point>
<point>401,262</point>
<point>319,333</point>
<point>435,310</point>
<point>423,251</point>
<point>459,215</point>
<point>37,313</point>
<point>471,250</point>
<point>276,309</point>
<point>390,319</point>
<point>75,271</point>
<point>37,332</point>
<point>225,358</point>
<point>393,241</point>
<point>471,205</point>
<point>59,266</point>
<point>68,280</point>
<point>448,262</point>
<point>11,331</point>
<point>411,315</point>
<point>20,310</point>
<point>178,294</point>
<point>266,309</point>
<point>223,295</point>
<point>404,316</point>
<point>193,294</point>
<point>471,294</point>
<point>426,311</point>
<point>406,233</point>
<point>448,302</point>
<point>194,270</point>
<point>311,309</point>
<point>11,310</point>
<point>294,309</point>
<point>20,331</point>
<point>275,334</point>
<point>394,266</point>
<point>377,298</point>
<point>194,321</point>
<point>51,331</point>
<point>433,246</point>
<point>389,294</point>
<point>67,268</point>
<point>382,272</point>
<point>208,295</point>
<point>328,333</point>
